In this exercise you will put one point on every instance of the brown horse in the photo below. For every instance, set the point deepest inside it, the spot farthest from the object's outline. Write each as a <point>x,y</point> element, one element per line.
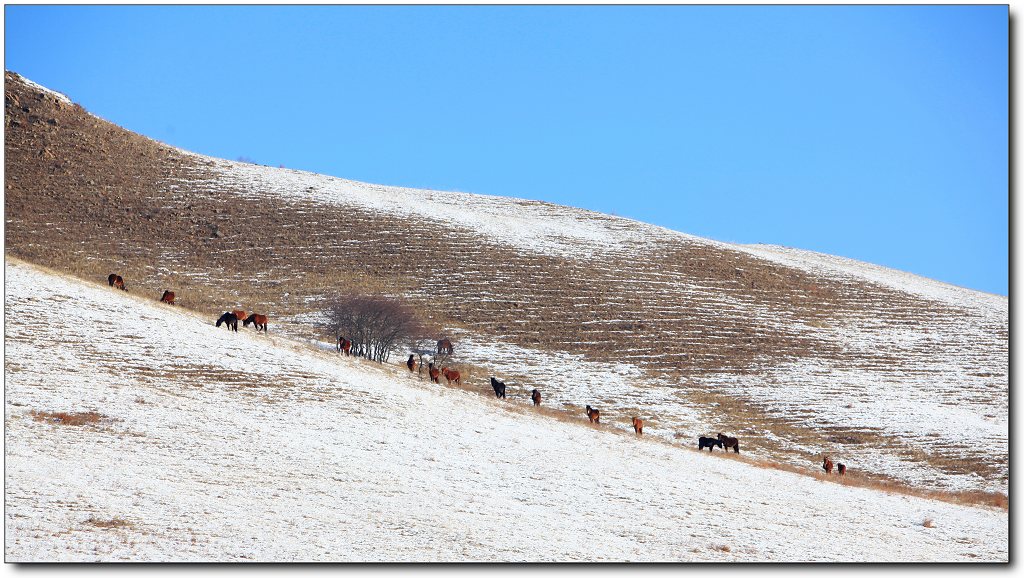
<point>241,315</point>
<point>445,346</point>
<point>535,396</point>
<point>451,375</point>
<point>638,426</point>
<point>115,280</point>
<point>827,465</point>
<point>594,415</point>
<point>411,364</point>
<point>841,468</point>
<point>345,345</point>
<point>434,373</point>
<point>168,298</point>
<point>258,321</point>
<point>230,320</point>
<point>729,442</point>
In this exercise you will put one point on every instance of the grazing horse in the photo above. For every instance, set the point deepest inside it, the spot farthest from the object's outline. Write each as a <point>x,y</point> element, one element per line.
<point>593,415</point>
<point>230,319</point>
<point>729,442</point>
<point>827,465</point>
<point>445,346</point>
<point>345,345</point>
<point>842,469</point>
<point>258,321</point>
<point>451,375</point>
<point>535,396</point>
<point>411,364</point>
<point>710,443</point>
<point>168,298</point>
<point>110,279</point>
<point>638,426</point>
<point>434,373</point>
<point>499,389</point>
<point>241,315</point>
<point>115,280</point>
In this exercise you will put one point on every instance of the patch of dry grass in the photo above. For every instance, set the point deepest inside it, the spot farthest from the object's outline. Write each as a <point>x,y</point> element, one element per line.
<point>111,523</point>
<point>68,418</point>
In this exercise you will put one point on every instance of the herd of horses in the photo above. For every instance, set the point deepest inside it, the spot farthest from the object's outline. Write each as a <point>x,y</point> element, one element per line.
<point>230,319</point>
<point>444,347</point>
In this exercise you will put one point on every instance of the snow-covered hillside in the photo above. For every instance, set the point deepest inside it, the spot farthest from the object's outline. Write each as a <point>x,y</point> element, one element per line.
<point>216,446</point>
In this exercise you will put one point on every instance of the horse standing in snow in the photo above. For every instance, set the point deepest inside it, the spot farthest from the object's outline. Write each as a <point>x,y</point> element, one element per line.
<point>258,321</point>
<point>115,280</point>
<point>638,426</point>
<point>344,345</point>
<point>411,364</point>
<point>451,375</point>
<point>168,298</point>
<point>230,319</point>
<point>827,465</point>
<point>710,443</point>
<point>435,374</point>
<point>593,415</point>
<point>445,346</point>
<point>499,387</point>
<point>841,468</point>
<point>729,442</point>
<point>535,396</point>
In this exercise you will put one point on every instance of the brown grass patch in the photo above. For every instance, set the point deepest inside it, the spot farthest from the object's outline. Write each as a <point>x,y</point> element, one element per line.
<point>66,418</point>
<point>111,523</point>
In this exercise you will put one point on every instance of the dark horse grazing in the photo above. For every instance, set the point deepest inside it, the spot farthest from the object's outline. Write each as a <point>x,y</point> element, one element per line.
<point>499,388</point>
<point>842,469</point>
<point>638,426</point>
<point>258,321</point>
<point>535,396</point>
<point>710,443</point>
<point>168,298</point>
<point>230,319</point>
<point>593,415</point>
<point>345,345</point>
<point>434,373</point>
<point>451,375</point>
<point>411,364</point>
<point>115,280</point>
<point>445,346</point>
<point>827,465</point>
<point>729,442</point>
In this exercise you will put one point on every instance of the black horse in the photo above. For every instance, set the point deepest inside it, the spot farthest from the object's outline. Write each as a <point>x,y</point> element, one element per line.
<point>230,319</point>
<point>535,396</point>
<point>730,443</point>
<point>499,387</point>
<point>710,443</point>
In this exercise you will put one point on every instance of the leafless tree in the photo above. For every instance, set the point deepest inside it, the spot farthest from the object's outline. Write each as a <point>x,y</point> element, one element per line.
<point>376,325</point>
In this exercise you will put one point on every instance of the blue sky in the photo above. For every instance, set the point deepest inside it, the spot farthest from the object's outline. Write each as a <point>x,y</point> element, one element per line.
<point>873,132</point>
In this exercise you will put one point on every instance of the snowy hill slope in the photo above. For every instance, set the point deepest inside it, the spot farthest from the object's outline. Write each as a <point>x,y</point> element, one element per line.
<point>797,354</point>
<point>242,447</point>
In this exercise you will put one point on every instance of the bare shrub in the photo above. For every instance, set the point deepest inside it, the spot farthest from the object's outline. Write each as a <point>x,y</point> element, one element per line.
<point>65,418</point>
<point>375,324</point>
<point>928,523</point>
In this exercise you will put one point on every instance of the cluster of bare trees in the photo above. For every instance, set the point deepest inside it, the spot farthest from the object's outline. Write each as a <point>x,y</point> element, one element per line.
<point>376,325</point>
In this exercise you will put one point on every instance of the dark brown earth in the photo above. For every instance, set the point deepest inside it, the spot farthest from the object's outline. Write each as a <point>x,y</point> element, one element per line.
<point>89,198</point>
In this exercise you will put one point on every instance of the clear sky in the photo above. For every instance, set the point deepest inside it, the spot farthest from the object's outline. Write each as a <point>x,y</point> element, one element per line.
<point>873,132</point>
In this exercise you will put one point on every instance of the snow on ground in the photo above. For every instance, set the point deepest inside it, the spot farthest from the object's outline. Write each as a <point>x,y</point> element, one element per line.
<point>534,226</point>
<point>834,266</point>
<point>219,446</point>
